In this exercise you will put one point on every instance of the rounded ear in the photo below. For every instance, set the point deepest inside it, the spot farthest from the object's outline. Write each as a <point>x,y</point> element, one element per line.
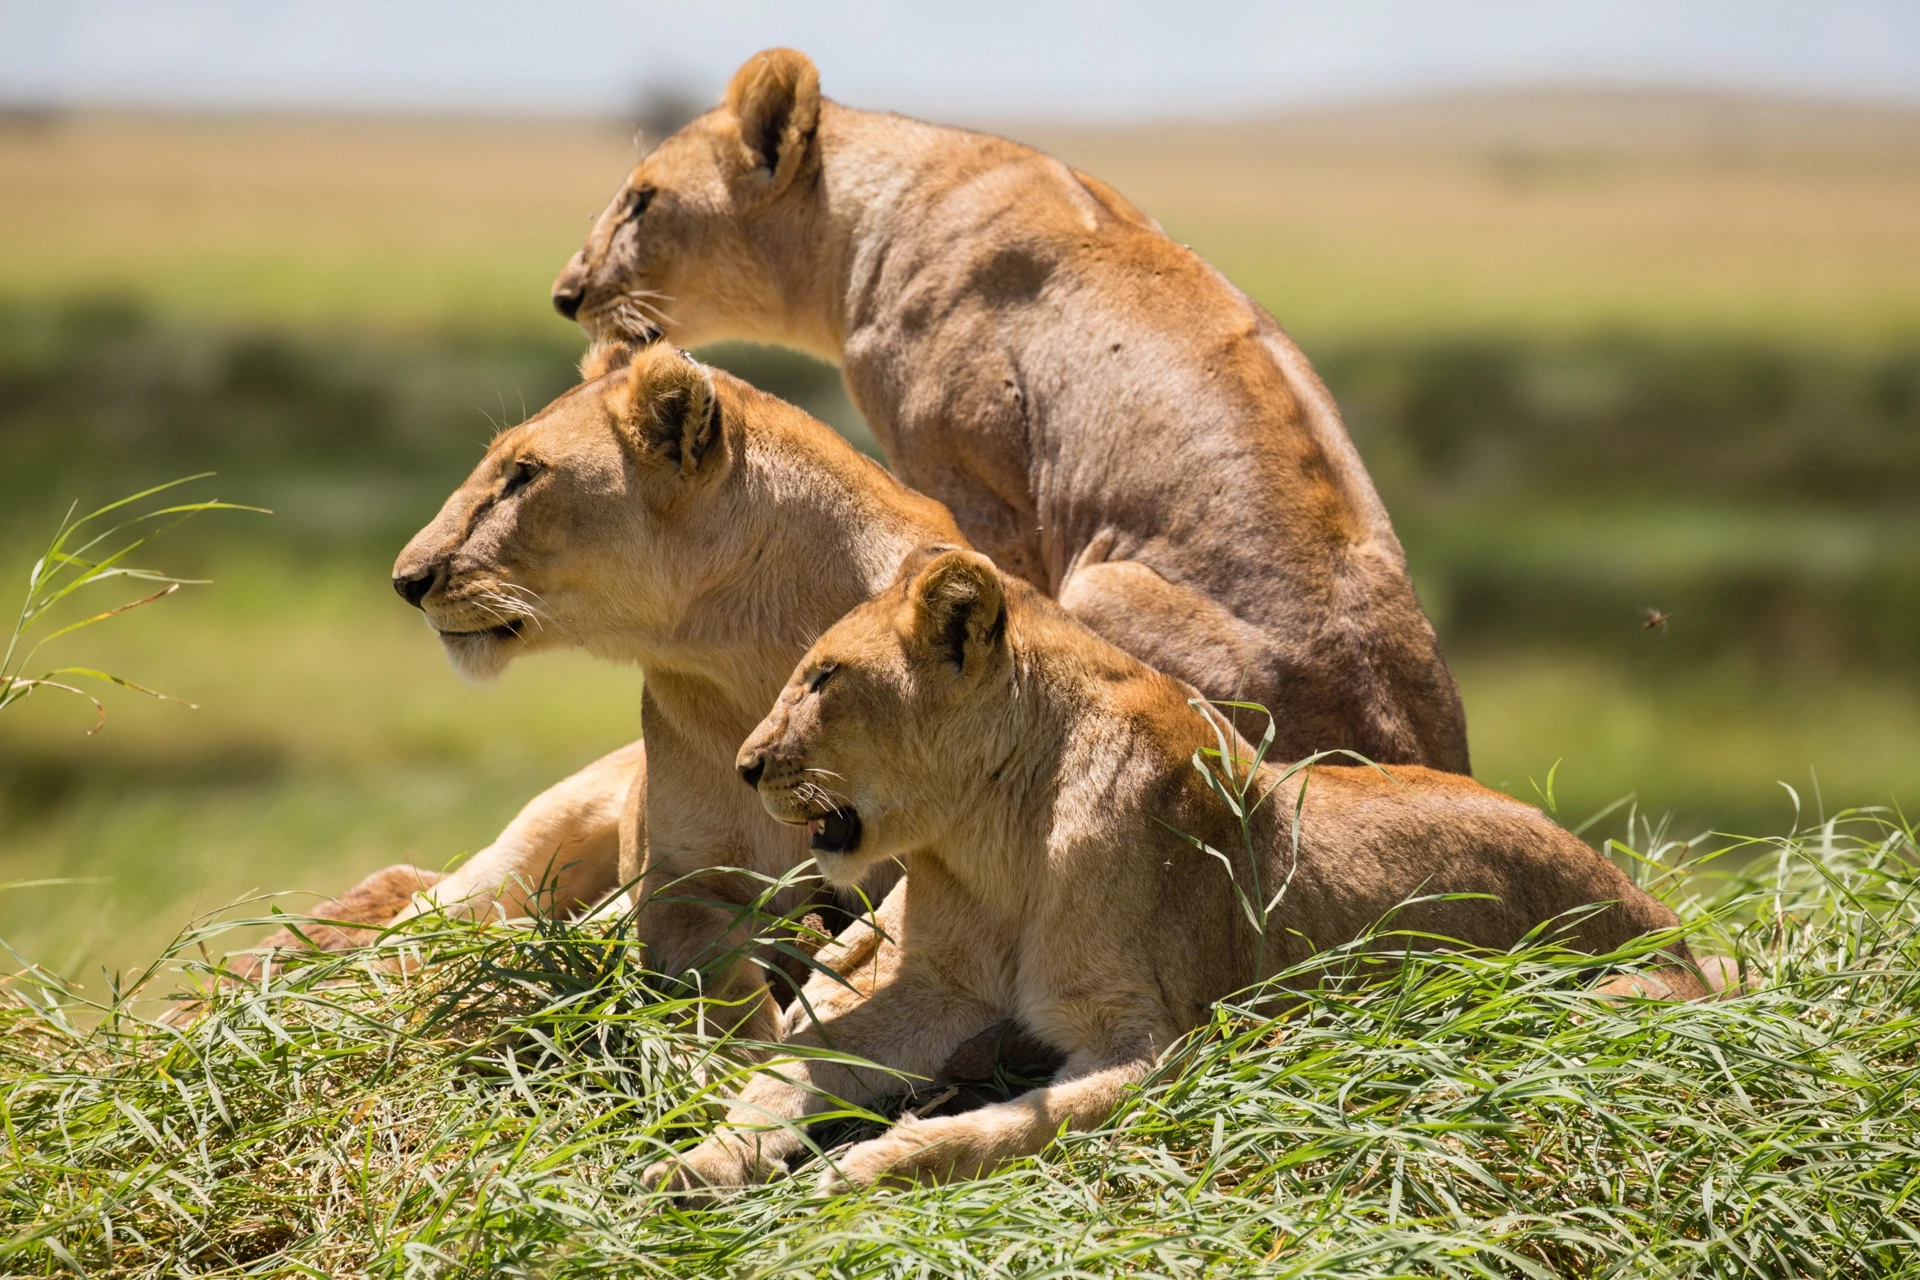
<point>919,558</point>
<point>602,358</point>
<point>775,99</point>
<point>669,406</point>
<point>959,608</point>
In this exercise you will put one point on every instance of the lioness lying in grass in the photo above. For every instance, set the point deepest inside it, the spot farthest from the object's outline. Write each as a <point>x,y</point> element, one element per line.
<point>1069,866</point>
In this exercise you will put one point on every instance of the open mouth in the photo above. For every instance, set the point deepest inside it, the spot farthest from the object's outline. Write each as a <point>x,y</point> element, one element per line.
<point>836,832</point>
<point>505,631</point>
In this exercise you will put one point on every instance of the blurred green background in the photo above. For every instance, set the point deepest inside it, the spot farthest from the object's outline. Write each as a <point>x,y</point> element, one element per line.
<point>1602,352</point>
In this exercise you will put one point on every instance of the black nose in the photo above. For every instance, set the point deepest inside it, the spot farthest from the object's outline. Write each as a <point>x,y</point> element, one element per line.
<point>413,587</point>
<point>566,300</point>
<point>750,771</point>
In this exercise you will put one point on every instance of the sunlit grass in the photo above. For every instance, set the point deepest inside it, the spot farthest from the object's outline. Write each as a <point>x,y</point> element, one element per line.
<point>1467,1116</point>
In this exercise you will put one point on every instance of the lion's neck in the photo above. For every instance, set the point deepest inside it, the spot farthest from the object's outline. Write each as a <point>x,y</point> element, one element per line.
<point>873,171</point>
<point>1077,770</point>
<point>805,546</point>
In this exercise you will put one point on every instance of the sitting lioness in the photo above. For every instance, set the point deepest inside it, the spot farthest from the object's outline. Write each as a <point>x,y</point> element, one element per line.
<point>1039,785</point>
<point>1105,415</point>
<point>672,516</point>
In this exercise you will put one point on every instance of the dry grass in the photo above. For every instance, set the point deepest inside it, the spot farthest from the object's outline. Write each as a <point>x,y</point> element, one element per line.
<point>1525,212</point>
<point>383,220</point>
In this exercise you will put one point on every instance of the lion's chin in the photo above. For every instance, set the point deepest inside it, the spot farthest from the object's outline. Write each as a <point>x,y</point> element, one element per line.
<point>479,655</point>
<point>844,870</point>
<point>842,851</point>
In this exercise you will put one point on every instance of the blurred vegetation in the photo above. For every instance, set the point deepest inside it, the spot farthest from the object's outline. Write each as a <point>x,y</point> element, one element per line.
<point>1763,491</point>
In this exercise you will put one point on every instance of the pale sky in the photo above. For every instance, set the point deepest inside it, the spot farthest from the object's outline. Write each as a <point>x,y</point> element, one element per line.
<point>979,58</point>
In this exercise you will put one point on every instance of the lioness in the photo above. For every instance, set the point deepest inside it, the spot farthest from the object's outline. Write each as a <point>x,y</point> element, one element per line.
<point>669,515</point>
<point>1039,784</point>
<point>1105,415</point>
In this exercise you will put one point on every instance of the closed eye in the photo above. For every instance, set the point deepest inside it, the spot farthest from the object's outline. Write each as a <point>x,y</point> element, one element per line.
<point>520,477</point>
<point>821,677</point>
<point>638,203</point>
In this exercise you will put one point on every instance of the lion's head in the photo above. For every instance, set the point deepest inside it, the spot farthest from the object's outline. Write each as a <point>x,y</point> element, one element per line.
<point>891,715</point>
<point>683,251</point>
<point>592,522</point>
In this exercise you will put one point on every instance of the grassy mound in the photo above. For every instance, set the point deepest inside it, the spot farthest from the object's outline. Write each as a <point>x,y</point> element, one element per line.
<point>1467,1116</point>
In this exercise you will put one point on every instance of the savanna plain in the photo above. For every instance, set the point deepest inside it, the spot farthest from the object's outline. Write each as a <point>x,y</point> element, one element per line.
<point>1606,356</point>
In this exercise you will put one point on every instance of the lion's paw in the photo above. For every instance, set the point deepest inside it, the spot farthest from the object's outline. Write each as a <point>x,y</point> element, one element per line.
<point>901,1155</point>
<point>716,1166</point>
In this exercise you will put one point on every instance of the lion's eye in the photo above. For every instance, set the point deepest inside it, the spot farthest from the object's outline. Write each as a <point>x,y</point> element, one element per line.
<point>638,202</point>
<point>821,677</point>
<point>521,476</point>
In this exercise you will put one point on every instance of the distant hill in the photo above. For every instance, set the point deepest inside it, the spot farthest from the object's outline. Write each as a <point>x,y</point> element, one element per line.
<point>1689,124</point>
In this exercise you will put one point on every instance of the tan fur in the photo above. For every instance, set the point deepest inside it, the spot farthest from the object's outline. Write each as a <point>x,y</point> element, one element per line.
<point>671,516</point>
<point>1105,415</point>
<point>1035,780</point>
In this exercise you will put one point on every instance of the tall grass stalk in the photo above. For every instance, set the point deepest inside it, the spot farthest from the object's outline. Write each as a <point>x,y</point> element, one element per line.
<point>85,552</point>
<point>1463,1115</point>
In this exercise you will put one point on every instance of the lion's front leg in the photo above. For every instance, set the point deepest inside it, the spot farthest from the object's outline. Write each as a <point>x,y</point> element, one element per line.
<point>963,1146</point>
<point>559,854</point>
<point>906,1028</point>
<point>866,956</point>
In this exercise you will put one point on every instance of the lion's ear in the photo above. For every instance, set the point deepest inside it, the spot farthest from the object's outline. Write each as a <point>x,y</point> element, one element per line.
<point>670,408</point>
<point>959,608</point>
<point>775,99</point>
<point>919,558</point>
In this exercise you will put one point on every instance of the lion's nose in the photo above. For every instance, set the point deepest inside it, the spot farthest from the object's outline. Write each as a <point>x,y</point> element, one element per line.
<point>750,770</point>
<point>413,587</point>
<point>566,300</point>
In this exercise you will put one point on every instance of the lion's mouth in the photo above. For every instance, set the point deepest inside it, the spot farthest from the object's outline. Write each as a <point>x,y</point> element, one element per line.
<point>505,631</point>
<point>837,832</point>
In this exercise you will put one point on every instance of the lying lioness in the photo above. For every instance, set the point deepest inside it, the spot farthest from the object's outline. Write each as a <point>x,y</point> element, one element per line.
<point>672,516</point>
<point>1105,415</point>
<point>1040,785</point>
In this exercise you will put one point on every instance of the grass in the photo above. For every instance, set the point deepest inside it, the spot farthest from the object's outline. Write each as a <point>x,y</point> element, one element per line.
<point>1466,1116</point>
<point>86,552</point>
